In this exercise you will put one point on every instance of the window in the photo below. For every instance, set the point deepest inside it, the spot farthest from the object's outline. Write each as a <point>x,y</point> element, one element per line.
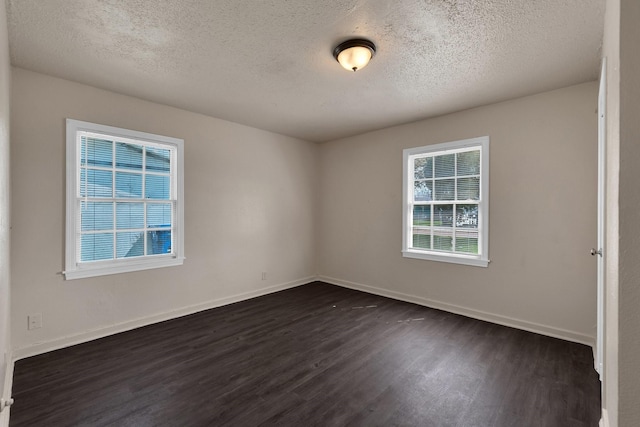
<point>124,200</point>
<point>446,202</point>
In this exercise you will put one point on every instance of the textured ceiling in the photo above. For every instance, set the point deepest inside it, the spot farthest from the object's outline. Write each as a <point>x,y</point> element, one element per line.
<point>268,64</point>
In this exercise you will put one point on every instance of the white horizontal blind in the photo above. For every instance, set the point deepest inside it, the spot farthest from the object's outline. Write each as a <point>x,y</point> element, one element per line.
<point>125,198</point>
<point>446,197</point>
<point>446,202</point>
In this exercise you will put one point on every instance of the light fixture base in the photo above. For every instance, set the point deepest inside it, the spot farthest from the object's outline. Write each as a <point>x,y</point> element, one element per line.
<point>355,61</point>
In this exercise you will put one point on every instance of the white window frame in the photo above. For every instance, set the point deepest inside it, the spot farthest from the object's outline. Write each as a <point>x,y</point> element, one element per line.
<point>74,269</point>
<point>409,154</point>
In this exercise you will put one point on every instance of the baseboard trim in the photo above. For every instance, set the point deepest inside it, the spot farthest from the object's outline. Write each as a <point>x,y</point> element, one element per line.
<point>464,311</point>
<point>90,335</point>
<point>604,421</point>
<point>6,390</point>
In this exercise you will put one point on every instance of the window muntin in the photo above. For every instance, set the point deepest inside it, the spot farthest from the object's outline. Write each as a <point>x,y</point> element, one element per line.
<point>446,202</point>
<point>124,204</point>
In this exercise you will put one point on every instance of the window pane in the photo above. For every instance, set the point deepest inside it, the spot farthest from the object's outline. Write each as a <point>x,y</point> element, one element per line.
<point>158,160</point>
<point>96,152</point>
<point>422,216</point>
<point>96,216</point>
<point>157,187</point>
<point>467,216</point>
<point>469,188</point>
<point>126,193</point>
<point>128,185</point>
<point>444,189</point>
<point>423,191</point>
<point>443,215</point>
<point>129,215</point>
<point>467,241</point>
<point>96,183</point>
<point>94,247</point>
<point>421,238</point>
<point>468,163</point>
<point>445,165</point>
<point>445,205</point>
<point>423,168</point>
<point>128,156</point>
<point>159,215</point>
<point>158,242</point>
<point>443,240</point>
<point>129,244</point>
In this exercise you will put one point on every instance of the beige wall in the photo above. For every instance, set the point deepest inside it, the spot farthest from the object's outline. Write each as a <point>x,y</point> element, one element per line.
<point>621,385</point>
<point>629,217</point>
<point>250,207</point>
<point>5,72</point>
<point>542,214</point>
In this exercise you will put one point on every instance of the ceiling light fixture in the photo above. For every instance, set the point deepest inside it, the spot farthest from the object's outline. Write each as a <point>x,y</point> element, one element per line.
<point>354,54</point>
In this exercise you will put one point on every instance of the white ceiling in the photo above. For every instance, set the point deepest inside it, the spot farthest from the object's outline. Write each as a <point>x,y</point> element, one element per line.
<point>269,64</point>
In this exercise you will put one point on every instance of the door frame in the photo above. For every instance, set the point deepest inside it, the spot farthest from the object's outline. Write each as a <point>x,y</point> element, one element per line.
<point>602,116</point>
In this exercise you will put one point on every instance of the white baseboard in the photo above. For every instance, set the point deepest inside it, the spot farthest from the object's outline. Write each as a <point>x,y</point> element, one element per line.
<point>90,335</point>
<point>6,390</point>
<point>604,421</point>
<point>469,312</point>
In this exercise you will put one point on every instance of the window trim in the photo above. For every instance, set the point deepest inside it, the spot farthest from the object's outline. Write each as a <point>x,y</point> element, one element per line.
<point>77,270</point>
<point>481,260</point>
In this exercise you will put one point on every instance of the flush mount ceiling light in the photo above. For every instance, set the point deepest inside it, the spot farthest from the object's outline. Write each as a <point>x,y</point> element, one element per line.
<point>354,54</point>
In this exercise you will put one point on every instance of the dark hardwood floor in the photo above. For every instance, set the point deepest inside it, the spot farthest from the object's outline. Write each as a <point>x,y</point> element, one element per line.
<point>316,355</point>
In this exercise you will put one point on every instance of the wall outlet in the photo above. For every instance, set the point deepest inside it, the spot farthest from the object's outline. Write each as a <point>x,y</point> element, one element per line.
<point>34,321</point>
<point>264,275</point>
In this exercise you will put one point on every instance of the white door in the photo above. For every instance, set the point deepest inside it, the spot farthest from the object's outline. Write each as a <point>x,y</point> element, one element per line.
<point>598,252</point>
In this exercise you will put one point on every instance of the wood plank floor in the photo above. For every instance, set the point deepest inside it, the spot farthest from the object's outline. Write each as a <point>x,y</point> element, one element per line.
<point>316,355</point>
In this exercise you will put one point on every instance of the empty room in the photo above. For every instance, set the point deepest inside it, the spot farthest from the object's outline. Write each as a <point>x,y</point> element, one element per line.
<point>328,213</point>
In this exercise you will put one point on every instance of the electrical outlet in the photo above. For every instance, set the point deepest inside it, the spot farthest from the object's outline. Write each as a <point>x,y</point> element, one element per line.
<point>35,321</point>
<point>264,275</point>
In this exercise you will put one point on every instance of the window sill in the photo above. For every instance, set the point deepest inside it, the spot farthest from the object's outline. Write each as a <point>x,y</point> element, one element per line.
<point>115,268</point>
<point>450,258</point>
